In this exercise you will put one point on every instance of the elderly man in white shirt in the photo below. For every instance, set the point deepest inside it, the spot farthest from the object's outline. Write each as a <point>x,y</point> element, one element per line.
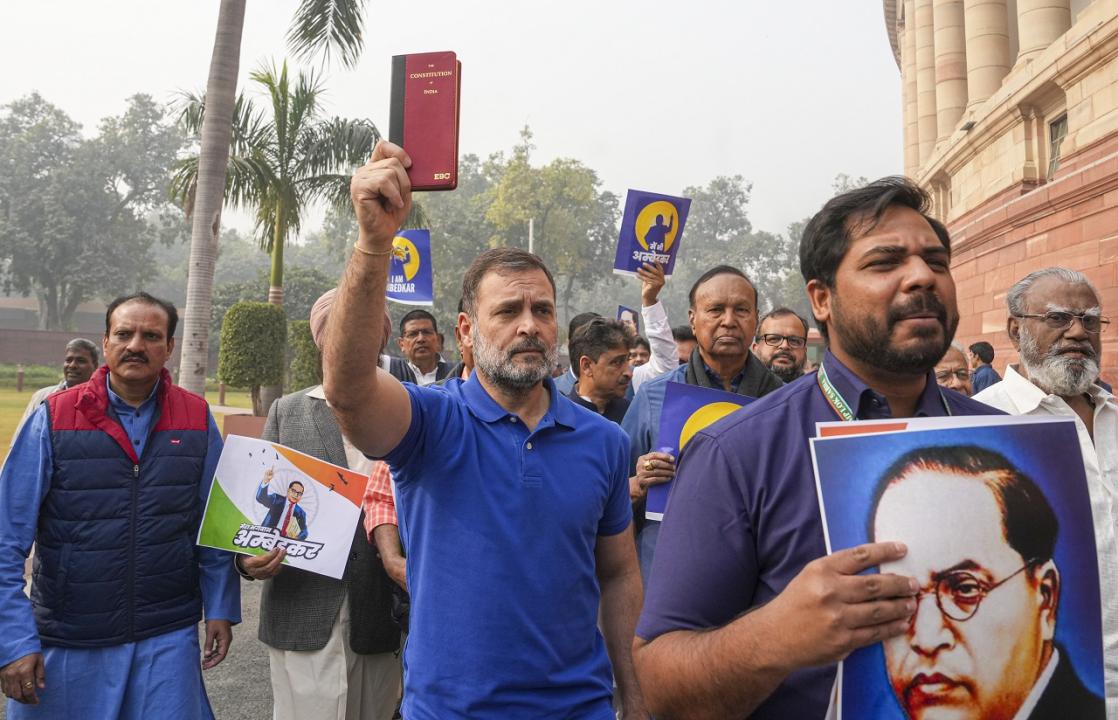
<point>1055,322</point>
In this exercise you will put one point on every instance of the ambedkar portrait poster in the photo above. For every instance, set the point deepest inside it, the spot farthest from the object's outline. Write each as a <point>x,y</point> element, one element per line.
<point>410,274</point>
<point>687,409</point>
<point>651,228</point>
<point>997,520</point>
<point>266,495</point>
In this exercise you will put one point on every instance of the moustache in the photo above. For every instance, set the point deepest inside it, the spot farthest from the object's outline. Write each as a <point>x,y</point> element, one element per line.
<point>1087,351</point>
<point>528,344</point>
<point>139,357</point>
<point>923,304</point>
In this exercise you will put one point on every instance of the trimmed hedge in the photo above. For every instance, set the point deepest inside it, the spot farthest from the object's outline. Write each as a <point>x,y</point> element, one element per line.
<point>253,339</point>
<point>34,376</point>
<point>306,365</point>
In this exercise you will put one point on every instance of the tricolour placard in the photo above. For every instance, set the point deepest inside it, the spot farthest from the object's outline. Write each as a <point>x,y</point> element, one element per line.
<point>266,495</point>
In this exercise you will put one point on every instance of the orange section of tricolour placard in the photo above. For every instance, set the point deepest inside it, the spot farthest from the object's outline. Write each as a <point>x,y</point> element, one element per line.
<point>341,481</point>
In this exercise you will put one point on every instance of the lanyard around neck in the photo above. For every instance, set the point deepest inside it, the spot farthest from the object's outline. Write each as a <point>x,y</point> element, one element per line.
<point>838,402</point>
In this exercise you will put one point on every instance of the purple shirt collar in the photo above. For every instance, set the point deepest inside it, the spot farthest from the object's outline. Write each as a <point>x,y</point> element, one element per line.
<point>871,405</point>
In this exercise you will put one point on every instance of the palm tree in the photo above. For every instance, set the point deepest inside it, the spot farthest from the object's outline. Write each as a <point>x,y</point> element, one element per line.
<point>318,26</point>
<point>281,161</point>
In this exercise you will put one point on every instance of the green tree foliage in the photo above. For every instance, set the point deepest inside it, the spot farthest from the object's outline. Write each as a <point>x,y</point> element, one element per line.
<point>326,249</point>
<point>73,211</point>
<point>459,228</point>
<point>718,232</point>
<point>229,294</point>
<point>327,27</point>
<point>253,338</point>
<point>281,159</point>
<point>304,286</point>
<point>574,220</point>
<point>306,363</point>
<point>788,288</point>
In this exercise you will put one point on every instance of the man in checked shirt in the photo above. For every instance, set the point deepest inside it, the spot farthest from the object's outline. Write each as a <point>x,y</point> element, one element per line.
<point>381,524</point>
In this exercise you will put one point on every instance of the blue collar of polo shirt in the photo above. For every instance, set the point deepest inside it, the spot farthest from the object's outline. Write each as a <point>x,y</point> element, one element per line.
<point>486,409</point>
<point>856,393</point>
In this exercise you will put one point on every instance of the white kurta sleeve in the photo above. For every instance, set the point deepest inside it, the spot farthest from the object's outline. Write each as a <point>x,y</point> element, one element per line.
<point>661,343</point>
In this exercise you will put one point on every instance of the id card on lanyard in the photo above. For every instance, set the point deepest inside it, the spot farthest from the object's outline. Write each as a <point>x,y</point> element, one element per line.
<point>838,402</point>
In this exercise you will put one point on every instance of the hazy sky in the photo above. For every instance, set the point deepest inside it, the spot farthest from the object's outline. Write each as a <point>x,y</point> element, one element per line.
<point>655,95</point>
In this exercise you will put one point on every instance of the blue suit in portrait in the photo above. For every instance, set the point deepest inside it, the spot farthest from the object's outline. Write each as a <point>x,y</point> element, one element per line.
<point>275,504</point>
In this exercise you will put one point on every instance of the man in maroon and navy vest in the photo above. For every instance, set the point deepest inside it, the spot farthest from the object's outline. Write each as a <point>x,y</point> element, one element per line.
<point>109,480</point>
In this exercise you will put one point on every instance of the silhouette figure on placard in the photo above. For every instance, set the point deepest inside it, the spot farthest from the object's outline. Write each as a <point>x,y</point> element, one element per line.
<point>401,255</point>
<point>654,238</point>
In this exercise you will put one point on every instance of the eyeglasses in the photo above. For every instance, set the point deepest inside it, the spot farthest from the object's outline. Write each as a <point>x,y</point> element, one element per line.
<point>794,341</point>
<point>959,594</point>
<point>1093,324</point>
<point>960,375</point>
<point>413,334</point>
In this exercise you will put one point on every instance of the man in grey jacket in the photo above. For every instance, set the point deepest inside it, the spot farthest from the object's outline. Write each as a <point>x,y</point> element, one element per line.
<point>332,644</point>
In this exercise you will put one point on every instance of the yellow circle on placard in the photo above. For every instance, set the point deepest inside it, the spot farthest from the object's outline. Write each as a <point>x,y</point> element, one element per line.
<point>405,251</point>
<point>704,416</point>
<point>646,220</point>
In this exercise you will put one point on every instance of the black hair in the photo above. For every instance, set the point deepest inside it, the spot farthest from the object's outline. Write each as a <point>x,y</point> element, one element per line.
<point>642,341</point>
<point>828,234</point>
<point>501,260</point>
<point>578,321</point>
<point>293,483</point>
<point>683,333</point>
<point>143,297</point>
<point>781,312</point>
<point>418,314</point>
<point>723,270</point>
<point>1028,521</point>
<point>984,351</point>
<point>597,336</point>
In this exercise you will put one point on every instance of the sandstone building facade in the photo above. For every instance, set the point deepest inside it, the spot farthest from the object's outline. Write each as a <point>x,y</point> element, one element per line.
<point>1011,123</point>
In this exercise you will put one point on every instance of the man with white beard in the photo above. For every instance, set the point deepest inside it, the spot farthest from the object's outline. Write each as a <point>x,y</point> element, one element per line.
<point>1055,322</point>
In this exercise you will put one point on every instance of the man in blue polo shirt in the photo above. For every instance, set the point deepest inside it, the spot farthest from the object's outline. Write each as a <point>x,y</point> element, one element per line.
<point>745,615</point>
<point>513,501</point>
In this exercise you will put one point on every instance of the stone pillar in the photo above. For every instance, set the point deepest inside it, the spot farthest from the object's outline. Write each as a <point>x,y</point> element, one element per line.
<point>951,65</point>
<point>908,74</point>
<point>925,78</point>
<point>987,31</point>
<point>1039,24</point>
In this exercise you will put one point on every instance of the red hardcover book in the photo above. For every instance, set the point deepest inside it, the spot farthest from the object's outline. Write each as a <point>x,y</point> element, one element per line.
<point>424,116</point>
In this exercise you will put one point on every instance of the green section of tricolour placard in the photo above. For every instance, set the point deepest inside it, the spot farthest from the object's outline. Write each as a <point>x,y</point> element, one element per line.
<point>223,520</point>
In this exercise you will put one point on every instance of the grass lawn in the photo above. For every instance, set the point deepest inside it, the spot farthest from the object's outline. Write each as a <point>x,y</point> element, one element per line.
<point>12,405</point>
